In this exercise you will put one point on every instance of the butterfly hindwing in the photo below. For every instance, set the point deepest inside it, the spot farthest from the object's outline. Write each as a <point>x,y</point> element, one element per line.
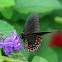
<point>32,42</point>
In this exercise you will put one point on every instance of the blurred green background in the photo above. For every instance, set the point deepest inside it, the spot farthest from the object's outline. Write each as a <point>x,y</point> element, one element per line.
<point>13,15</point>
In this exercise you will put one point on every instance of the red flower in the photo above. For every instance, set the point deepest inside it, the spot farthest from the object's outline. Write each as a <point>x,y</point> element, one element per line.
<point>56,39</point>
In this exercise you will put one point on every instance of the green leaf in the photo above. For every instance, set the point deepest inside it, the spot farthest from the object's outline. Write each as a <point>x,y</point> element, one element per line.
<point>7,3</point>
<point>16,16</point>
<point>24,52</point>
<point>58,50</point>
<point>28,6</point>
<point>8,12</point>
<point>39,59</point>
<point>5,27</point>
<point>48,54</point>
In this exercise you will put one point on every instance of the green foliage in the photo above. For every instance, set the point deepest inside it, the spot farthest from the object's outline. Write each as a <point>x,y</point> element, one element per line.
<point>58,52</point>
<point>53,24</point>
<point>27,6</point>
<point>5,27</point>
<point>58,19</point>
<point>13,15</point>
<point>7,3</point>
<point>3,58</point>
<point>8,12</point>
<point>48,54</point>
<point>39,59</point>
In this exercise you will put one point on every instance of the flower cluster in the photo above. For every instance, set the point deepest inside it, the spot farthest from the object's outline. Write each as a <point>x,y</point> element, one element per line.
<point>11,42</point>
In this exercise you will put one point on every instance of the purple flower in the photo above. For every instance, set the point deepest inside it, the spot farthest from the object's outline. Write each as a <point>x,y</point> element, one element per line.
<point>1,44</point>
<point>11,42</point>
<point>14,35</point>
<point>17,45</point>
<point>7,36</point>
<point>7,49</point>
<point>16,41</point>
<point>8,42</point>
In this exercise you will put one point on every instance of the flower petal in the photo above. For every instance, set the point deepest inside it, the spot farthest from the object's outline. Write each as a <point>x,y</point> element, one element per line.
<point>7,50</point>
<point>7,36</point>
<point>0,39</point>
<point>13,33</point>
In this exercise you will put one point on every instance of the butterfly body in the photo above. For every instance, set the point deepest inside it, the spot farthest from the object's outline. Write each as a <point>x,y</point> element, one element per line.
<point>31,35</point>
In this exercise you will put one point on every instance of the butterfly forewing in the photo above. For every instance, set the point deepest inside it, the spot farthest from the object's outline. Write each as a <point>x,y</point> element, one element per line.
<point>32,24</point>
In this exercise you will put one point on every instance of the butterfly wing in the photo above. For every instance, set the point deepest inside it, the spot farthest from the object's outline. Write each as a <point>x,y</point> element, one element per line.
<point>32,42</point>
<point>42,33</point>
<point>31,27</point>
<point>32,24</point>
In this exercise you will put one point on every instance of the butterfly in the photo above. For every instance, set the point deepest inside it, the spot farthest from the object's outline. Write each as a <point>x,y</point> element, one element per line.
<point>31,35</point>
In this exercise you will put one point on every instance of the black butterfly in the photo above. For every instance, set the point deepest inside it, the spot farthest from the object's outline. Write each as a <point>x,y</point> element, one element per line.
<point>31,34</point>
